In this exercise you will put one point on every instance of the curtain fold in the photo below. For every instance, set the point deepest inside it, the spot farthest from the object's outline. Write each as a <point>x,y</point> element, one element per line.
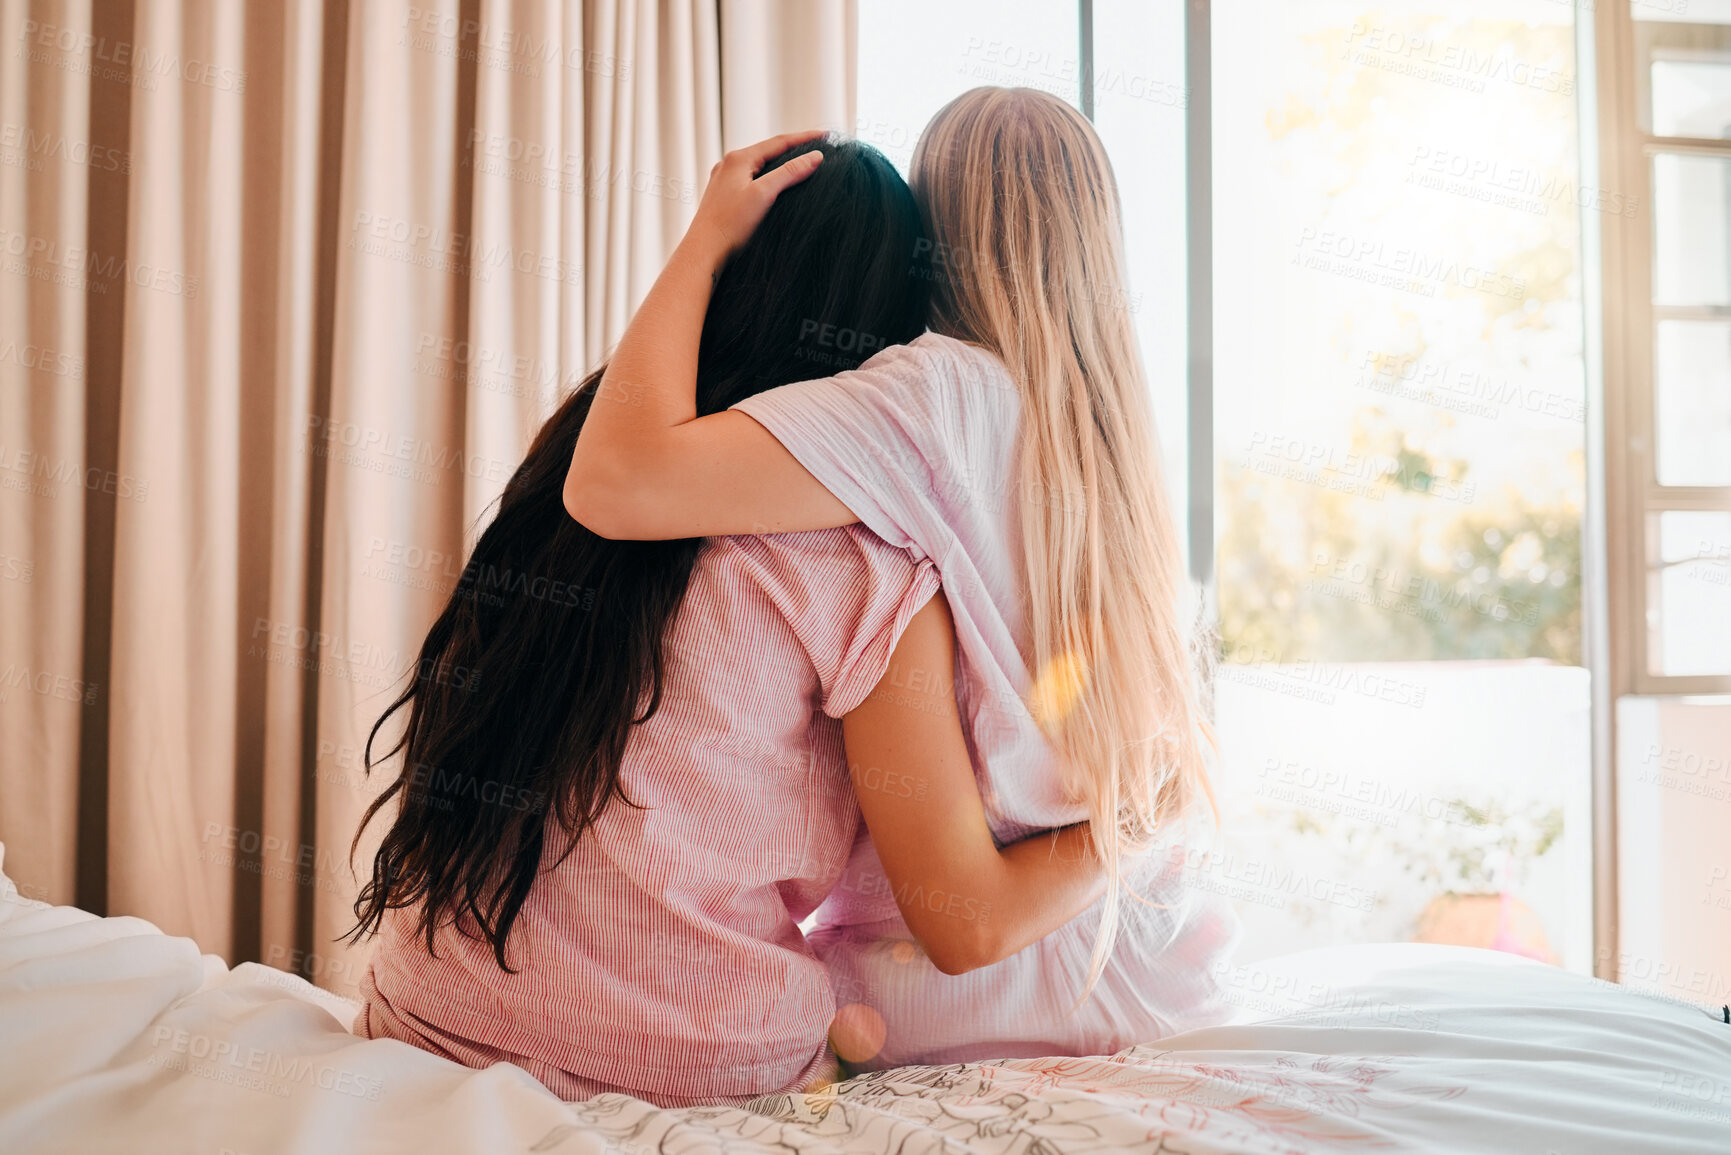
<point>288,286</point>
<point>810,81</point>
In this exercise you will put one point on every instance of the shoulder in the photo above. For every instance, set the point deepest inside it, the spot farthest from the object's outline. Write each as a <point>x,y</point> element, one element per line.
<point>930,360</point>
<point>818,580</point>
<point>965,362</point>
<point>928,393</point>
<point>834,589</point>
<point>819,560</point>
<point>935,346</point>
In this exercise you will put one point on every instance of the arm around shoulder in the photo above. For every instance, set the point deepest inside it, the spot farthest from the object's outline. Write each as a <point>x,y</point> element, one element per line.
<point>719,474</point>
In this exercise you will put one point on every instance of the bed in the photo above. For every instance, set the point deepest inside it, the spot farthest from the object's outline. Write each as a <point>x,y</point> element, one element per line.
<point>115,1037</point>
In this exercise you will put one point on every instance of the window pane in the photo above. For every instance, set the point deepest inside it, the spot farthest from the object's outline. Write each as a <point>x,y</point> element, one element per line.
<point>1692,98</point>
<point>915,55</point>
<point>1678,11</point>
<point>1691,244</point>
<point>1689,593</point>
<point>1683,67</point>
<point>1692,403</point>
<point>1399,396</point>
<point>1139,109</point>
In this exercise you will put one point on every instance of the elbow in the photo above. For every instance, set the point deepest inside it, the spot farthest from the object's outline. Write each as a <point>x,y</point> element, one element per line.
<point>951,964</point>
<point>595,506</point>
<point>960,951</point>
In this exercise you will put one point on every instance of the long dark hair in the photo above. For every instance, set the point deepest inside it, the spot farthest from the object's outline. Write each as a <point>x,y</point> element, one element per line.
<point>549,649</point>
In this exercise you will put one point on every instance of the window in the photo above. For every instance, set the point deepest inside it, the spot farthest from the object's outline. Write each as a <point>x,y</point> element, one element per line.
<point>1386,467</point>
<point>915,56</point>
<point>1667,134</point>
<point>1400,401</point>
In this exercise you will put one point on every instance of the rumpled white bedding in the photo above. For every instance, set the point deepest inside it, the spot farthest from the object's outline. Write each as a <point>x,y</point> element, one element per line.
<point>117,1038</point>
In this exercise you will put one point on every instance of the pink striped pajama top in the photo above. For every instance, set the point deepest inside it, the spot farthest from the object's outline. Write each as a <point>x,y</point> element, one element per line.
<point>663,958</point>
<point>920,442</point>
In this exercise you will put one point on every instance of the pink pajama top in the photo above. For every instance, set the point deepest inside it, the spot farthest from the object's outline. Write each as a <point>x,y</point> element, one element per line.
<point>664,958</point>
<point>920,442</point>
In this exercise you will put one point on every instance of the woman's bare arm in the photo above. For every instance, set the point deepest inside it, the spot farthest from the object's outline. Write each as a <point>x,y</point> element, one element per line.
<point>968,903</point>
<point>646,466</point>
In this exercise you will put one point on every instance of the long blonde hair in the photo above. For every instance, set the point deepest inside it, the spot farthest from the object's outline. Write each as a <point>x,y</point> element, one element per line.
<point>1028,249</point>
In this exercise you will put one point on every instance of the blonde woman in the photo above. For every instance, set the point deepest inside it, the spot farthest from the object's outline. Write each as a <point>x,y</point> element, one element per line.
<point>1014,446</point>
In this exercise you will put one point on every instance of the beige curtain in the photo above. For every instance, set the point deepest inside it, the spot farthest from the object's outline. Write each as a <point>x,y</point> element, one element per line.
<point>287,286</point>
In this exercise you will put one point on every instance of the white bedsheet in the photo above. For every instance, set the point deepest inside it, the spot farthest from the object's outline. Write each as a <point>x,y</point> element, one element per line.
<point>117,1038</point>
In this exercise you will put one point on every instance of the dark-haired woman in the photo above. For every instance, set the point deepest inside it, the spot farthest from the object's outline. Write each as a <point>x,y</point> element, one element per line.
<point>603,847</point>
